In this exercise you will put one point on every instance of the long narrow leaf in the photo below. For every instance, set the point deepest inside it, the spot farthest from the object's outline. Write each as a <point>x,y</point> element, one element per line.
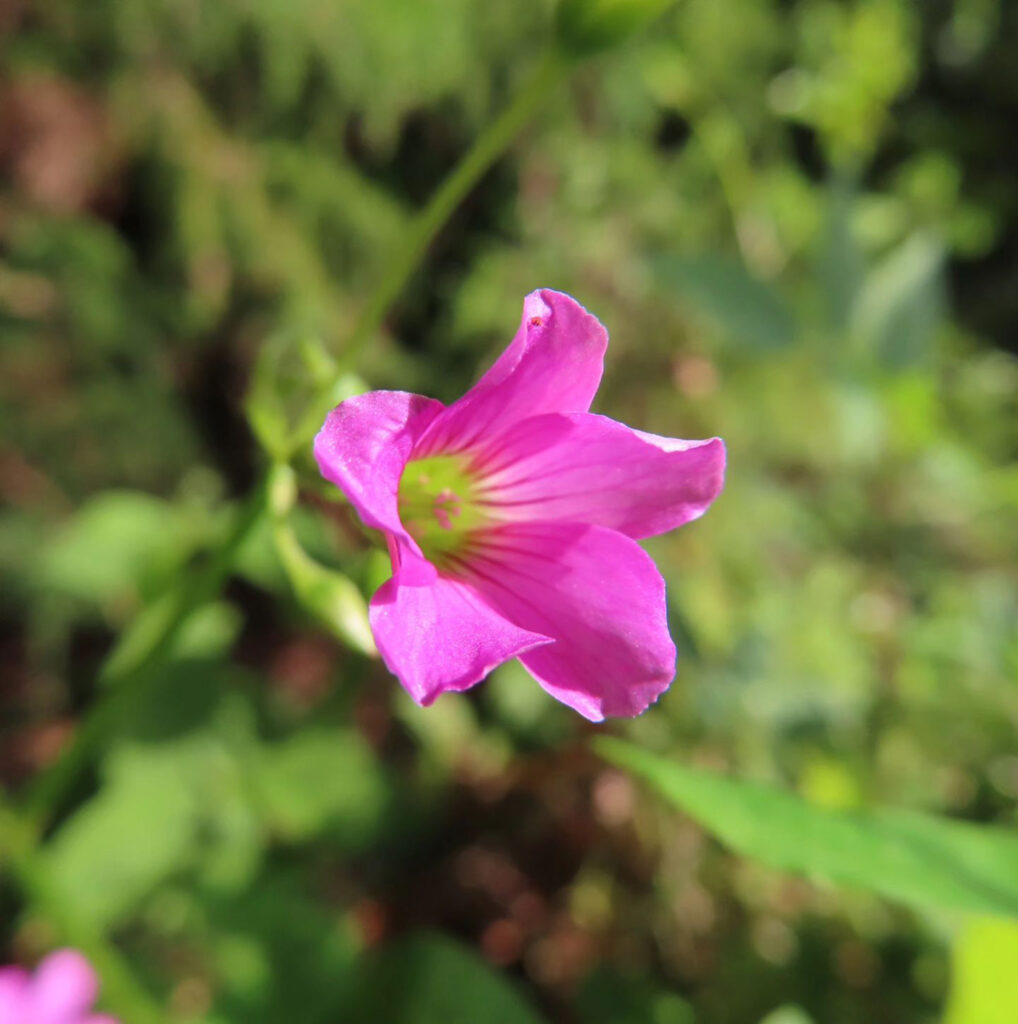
<point>918,859</point>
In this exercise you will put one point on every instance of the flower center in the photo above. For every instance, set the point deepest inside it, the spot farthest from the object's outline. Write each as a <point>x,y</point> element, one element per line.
<point>438,505</point>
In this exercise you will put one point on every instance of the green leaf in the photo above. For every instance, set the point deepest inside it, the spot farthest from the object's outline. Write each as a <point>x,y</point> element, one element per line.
<point>611,998</point>
<point>841,264</point>
<point>320,778</point>
<point>749,312</point>
<point>174,796</point>
<point>118,544</point>
<point>279,955</point>
<point>264,405</point>
<point>915,858</point>
<point>586,26</point>
<point>983,989</point>
<point>902,303</point>
<point>429,979</point>
<point>787,1015</point>
<point>137,830</point>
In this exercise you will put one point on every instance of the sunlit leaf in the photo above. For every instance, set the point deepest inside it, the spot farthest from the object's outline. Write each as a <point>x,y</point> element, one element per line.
<point>787,1015</point>
<point>918,859</point>
<point>174,797</point>
<point>983,987</point>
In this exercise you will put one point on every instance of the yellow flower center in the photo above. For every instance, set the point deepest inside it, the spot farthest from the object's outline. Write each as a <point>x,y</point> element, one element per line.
<point>439,505</point>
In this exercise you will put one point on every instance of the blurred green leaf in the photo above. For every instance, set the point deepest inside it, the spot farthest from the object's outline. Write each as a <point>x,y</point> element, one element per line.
<point>855,60</point>
<point>323,779</point>
<point>610,998</point>
<point>984,989</point>
<point>264,405</point>
<point>914,858</point>
<point>429,979</point>
<point>181,698</point>
<point>787,1015</point>
<point>587,26</point>
<point>279,956</point>
<point>208,632</point>
<point>136,831</point>
<point>174,795</point>
<point>281,490</point>
<point>750,313</point>
<point>117,544</point>
<point>841,259</point>
<point>902,303</point>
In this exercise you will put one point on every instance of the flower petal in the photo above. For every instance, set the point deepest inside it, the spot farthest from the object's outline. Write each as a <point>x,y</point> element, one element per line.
<point>598,594</point>
<point>365,444</point>
<point>64,987</point>
<point>584,468</point>
<point>15,988</point>
<point>436,634</point>
<point>554,364</point>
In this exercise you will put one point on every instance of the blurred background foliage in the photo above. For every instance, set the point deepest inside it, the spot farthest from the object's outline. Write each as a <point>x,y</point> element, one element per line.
<point>799,222</point>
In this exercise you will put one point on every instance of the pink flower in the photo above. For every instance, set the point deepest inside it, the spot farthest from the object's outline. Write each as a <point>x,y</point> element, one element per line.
<point>61,991</point>
<point>512,518</point>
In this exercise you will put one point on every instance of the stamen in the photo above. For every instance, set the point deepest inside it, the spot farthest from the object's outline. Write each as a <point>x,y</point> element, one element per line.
<point>446,505</point>
<point>439,505</point>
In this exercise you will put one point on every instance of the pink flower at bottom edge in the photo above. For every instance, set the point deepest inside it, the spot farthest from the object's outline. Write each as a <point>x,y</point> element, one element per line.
<point>61,991</point>
<point>512,518</point>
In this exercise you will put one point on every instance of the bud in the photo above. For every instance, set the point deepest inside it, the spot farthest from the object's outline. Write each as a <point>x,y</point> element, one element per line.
<point>584,27</point>
<point>282,490</point>
<point>327,594</point>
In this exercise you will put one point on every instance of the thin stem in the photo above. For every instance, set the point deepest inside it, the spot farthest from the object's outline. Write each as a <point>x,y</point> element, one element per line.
<point>487,148</point>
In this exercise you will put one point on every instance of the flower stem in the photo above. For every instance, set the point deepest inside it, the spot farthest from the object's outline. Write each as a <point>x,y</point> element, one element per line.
<point>487,148</point>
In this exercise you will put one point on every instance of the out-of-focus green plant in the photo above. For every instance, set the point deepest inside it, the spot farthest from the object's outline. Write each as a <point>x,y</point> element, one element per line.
<point>587,26</point>
<point>764,202</point>
<point>916,858</point>
<point>983,990</point>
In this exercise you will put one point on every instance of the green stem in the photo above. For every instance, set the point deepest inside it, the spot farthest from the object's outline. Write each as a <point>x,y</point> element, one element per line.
<point>487,148</point>
<point>121,993</point>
